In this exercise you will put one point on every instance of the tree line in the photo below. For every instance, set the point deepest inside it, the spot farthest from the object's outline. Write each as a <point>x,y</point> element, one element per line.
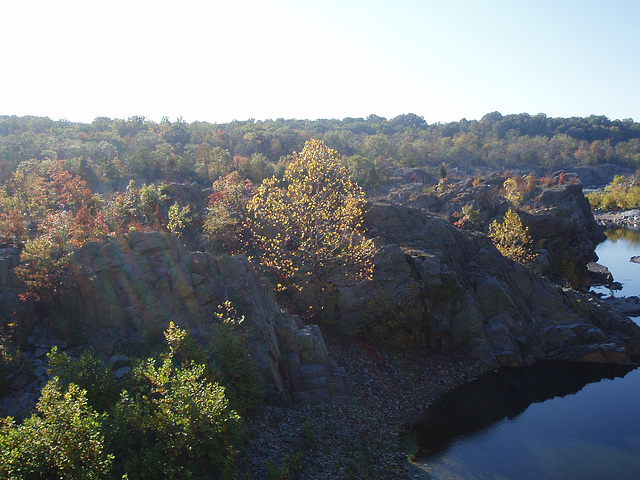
<point>108,152</point>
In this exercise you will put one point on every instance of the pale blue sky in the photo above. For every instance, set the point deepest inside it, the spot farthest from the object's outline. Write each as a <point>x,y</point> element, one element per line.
<point>219,61</point>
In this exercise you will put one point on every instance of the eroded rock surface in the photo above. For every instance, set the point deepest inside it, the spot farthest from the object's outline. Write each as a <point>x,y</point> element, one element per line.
<point>466,296</point>
<point>126,291</point>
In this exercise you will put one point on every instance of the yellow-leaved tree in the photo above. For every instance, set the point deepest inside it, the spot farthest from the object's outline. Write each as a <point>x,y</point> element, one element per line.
<point>512,191</point>
<point>310,225</point>
<point>512,238</point>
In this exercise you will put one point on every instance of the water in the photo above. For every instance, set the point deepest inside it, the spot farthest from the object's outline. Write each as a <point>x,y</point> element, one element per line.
<point>553,421</point>
<point>614,253</point>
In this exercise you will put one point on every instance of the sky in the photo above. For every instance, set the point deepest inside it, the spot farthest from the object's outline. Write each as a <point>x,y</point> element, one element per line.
<point>219,61</point>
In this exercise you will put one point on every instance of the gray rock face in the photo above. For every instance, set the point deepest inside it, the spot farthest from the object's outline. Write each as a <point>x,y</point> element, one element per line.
<point>467,297</point>
<point>599,175</point>
<point>557,214</point>
<point>564,225</point>
<point>126,291</point>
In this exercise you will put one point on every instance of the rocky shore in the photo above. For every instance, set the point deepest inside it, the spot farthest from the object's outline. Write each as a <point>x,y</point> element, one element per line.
<point>362,438</point>
<point>626,218</point>
<point>600,275</point>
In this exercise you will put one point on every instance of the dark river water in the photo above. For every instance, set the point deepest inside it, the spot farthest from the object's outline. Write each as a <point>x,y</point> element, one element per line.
<point>553,421</point>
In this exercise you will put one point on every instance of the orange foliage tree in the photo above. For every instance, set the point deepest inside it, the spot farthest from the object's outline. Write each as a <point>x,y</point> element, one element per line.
<point>67,217</point>
<point>224,224</point>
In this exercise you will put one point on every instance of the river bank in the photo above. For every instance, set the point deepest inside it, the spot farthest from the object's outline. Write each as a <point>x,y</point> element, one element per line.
<point>614,278</point>
<point>360,439</point>
<point>624,218</point>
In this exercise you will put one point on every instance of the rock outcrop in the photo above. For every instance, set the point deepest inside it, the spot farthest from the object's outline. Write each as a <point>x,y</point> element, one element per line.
<point>457,293</point>
<point>563,225</point>
<point>126,291</point>
<point>600,175</point>
<point>557,214</point>
<point>435,287</point>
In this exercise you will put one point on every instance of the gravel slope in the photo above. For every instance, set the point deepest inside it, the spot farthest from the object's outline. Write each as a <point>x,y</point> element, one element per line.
<point>359,440</point>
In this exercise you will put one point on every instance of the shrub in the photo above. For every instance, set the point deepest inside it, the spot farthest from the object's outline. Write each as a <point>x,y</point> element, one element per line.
<point>89,373</point>
<point>245,386</point>
<point>511,238</point>
<point>64,441</point>
<point>621,194</point>
<point>178,219</point>
<point>173,423</point>
<point>512,191</point>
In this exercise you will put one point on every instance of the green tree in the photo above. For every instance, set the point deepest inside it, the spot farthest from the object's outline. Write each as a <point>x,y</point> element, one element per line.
<point>178,218</point>
<point>621,194</point>
<point>311,224</point>
<point>512,191</point>
<point>213,162</point>
<point>227,211</point>
<point>442,173</point>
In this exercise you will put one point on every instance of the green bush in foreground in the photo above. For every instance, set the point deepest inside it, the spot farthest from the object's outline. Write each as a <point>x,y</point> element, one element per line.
<point>233,363</point>
<point>64,439</point>
<point>88,373</point>
<point>173,420</point>
<point>174,424</point>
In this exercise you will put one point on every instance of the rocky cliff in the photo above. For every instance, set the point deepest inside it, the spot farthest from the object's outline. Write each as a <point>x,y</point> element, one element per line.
<point>450,291</point>
<point>123,294</point>
<point>562,225</point>
<point>557,213</point>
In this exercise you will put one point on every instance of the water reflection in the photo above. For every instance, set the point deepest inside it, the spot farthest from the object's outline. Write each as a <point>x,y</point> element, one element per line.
<point>614,253</point>
<point>507,393</point>
<point>631,235</point>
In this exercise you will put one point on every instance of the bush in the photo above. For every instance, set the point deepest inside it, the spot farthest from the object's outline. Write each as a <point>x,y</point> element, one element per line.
<point>511,238</point>
<point>64,441</point>
<point>174,420</point>
<point>89,373</point>
<point>245,386</point>
<point>173,423</point>
<point>621,194</point>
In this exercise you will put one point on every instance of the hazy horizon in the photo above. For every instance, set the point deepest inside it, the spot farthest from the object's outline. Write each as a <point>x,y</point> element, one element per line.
<point>215,61</point>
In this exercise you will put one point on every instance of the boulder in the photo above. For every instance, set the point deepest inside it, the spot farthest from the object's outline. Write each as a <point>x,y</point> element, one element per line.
<point>563,224</point>
<point>599,274</point>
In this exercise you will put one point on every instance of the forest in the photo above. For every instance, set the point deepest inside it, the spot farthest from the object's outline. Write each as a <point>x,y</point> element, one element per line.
<point>107,153</point>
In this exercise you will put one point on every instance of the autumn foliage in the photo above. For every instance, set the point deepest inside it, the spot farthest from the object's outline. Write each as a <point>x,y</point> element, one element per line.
<point>311,223</point>
<point>512,238</point>
<point>50,213</point>
<point>224,224</point>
